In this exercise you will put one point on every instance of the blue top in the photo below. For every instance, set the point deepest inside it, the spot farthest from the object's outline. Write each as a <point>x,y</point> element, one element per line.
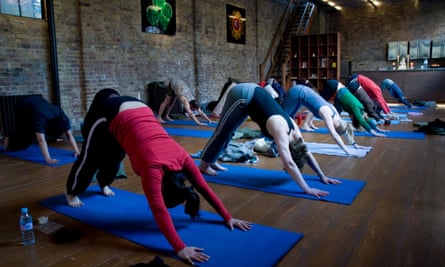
<point>301,95</point>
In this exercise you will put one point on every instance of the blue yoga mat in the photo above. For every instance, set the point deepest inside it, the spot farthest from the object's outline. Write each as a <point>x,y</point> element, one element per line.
<point>393,122</point>
<point>32,153</point>
<point>189,132</point>
<point>127,215</point>
<point>405,110</point>
<point>279,182</point>
<point>189,123</point>
<point>397,108</point>
<point>391,134</point>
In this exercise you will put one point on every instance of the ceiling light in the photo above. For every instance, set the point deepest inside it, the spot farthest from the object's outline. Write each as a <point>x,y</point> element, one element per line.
<point>374,3</point>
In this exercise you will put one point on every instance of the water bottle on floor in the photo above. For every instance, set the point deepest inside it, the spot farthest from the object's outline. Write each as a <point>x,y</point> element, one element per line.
<point>26,228</point>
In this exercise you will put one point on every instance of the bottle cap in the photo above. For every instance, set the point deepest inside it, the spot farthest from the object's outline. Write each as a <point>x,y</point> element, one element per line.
<point>25,210</point>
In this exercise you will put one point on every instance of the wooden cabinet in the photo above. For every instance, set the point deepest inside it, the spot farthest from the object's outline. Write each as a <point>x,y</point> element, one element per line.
<point>315,57</point>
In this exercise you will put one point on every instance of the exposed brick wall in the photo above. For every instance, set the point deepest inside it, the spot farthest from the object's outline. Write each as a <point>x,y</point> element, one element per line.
<point>24,56</point>
<point>100,44</point>
<point>366,32</point>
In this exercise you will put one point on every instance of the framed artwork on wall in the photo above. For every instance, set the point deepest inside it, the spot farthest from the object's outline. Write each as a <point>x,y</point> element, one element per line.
<point>158,16</point>
<point>236,24</point>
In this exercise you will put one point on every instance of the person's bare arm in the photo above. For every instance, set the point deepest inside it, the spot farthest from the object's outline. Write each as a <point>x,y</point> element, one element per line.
<point>327,116</point>
<point>375,133</point>
<point>72,141</point>
<point>204,115</point>
<point>312,162</point>
<point>277,127</point>
<point>43,145</point>
<point>188,110</point>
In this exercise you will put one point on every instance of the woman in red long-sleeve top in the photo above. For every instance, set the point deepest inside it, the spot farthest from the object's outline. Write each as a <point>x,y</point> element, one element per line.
<point>372,89</point>
<point>152,153</point>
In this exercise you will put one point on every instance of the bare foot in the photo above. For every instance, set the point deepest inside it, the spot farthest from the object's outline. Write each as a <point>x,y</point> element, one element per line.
<point>106,190</point>
<point>73,201</point>
<point>218,167</point>
<point>307,128</point>
<point>169,118</point>
<point>161,120</point>
<point>205,168</point>
<point>313,126</point>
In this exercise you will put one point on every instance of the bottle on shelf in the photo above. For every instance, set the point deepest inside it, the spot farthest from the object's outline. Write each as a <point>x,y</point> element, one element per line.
<point>26,228</point>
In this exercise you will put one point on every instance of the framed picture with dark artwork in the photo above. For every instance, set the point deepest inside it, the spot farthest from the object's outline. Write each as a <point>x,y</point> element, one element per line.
<point>158,16</point>
<point>236,24</point>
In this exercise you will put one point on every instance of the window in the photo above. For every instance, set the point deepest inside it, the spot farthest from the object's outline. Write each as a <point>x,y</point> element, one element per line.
<point>22,8</point>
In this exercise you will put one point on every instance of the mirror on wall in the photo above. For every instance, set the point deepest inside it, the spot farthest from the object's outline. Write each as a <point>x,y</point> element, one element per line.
<point>403,48</point>
<point>438,48</point>
<point>414,49</point>
<point>395,49</point>
<point>425,48</point>
<point>392,50</point>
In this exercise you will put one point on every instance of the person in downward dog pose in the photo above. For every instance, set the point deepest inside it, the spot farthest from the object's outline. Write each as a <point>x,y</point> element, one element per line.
<point>395,91</point>
<point>38,120</point>
<point>248,99</point>
<point>345,100</point>
<point>300,95</point>
<point>370,106</point>
<point>178,89</point>
<point>154,156</point>
<point>372,90</point>
<point>100,154</point>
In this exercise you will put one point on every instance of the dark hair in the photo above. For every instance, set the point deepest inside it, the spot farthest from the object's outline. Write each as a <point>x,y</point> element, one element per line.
<point>194,104</point>
<point>175,192</point>
<point>305,82</point>
<point>329,89</point>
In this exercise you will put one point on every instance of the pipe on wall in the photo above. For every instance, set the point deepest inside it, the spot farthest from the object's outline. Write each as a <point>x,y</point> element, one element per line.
<point>53,52</point>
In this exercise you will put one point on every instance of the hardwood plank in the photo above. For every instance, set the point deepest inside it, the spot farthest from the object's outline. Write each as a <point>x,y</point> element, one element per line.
<point>397,220</point>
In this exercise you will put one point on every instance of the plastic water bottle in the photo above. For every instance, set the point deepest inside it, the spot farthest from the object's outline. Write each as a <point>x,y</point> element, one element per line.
<point>26,228</point>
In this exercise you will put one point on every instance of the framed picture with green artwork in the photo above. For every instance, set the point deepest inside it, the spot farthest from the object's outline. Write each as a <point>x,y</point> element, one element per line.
<point>158,16</point>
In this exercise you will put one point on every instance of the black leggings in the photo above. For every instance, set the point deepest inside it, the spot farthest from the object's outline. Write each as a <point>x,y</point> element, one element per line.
<point>100,154</point>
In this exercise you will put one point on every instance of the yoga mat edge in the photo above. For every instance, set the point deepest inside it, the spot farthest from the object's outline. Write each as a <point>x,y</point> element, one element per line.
<point>127,215</point>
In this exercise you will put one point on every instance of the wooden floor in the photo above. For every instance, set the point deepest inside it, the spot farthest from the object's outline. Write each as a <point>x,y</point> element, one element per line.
<point>397,220</point>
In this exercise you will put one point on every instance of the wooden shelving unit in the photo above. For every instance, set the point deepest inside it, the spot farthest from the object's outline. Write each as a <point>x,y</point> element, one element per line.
<point>315,57</point>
